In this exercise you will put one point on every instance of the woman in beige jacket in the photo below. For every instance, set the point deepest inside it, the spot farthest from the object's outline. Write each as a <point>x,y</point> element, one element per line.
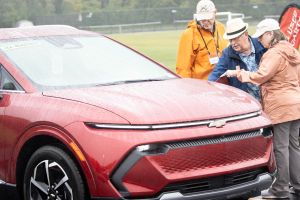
<point>279,78</point>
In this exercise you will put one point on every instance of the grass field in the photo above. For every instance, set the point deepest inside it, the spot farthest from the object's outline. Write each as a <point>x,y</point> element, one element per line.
<point>160,46</point>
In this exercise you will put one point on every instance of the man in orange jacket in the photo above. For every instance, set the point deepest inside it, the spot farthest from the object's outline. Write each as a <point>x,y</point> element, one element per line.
<point>201,44</point>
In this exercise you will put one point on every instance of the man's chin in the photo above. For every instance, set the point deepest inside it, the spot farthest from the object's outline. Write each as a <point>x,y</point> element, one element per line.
<point>208,28</point>
<point>236,49</point>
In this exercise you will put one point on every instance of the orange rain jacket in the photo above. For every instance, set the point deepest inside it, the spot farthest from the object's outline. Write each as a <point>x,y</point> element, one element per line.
<point>279,77</point>
<point>193,57</point>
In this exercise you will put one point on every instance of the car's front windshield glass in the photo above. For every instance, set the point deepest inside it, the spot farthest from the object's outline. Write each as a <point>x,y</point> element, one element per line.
<point>69,61</point>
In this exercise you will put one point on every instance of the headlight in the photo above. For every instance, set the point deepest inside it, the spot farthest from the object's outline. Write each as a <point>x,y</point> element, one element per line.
<point>118,126</point>
<point>219,122</point>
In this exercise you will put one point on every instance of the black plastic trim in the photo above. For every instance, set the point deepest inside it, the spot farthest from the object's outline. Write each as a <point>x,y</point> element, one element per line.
<point>8,191</point>
<point>130,161</point>
<point>127,164</point>
<point>217,140</point>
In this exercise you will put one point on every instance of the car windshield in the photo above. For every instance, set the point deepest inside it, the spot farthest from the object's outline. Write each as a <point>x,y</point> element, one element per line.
<point>74,61</point>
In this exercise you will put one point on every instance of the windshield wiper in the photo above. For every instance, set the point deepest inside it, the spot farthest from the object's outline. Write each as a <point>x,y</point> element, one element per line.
<point>134,81</point>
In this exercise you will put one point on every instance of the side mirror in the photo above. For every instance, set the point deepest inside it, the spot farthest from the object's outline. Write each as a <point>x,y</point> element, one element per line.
<point>1,96</point>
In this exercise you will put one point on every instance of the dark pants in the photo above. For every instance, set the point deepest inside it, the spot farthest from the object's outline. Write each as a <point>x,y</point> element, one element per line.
<point>287,155</point>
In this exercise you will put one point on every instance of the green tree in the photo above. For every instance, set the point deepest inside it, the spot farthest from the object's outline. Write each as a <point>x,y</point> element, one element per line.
<point>59,6</point>
<point>11,12</point>
<point>36,8</point>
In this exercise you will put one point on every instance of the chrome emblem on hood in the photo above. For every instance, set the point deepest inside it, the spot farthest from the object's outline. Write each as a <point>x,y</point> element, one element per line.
<point>217,123</point>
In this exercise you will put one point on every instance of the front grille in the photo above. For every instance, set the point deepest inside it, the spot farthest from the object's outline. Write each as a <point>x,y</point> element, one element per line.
<point>215,140</point>
<point>199,158</point>
<point>214,182</point>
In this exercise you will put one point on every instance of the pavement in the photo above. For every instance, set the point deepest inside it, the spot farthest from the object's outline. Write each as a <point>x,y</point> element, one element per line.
<point>4,195</point>
<point>292,197</point>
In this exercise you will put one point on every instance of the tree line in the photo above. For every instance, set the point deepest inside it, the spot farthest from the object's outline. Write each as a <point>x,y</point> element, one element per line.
<point>12,11</point>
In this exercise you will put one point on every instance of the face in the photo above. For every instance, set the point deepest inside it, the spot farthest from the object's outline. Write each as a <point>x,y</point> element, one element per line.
<point>266,38</point>
<point>240,43</point>
<point>208,23</point>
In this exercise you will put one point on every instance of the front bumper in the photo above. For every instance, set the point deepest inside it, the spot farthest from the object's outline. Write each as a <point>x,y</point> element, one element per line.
<point>262,181</point>
<point>194,166</point>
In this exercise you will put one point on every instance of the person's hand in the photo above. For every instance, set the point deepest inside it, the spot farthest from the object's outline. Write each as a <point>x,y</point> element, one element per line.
<point>231,73</point>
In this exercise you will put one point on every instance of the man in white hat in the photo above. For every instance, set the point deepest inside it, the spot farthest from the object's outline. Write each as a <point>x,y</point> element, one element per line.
<point>243,51</point>
<point>201,44</point>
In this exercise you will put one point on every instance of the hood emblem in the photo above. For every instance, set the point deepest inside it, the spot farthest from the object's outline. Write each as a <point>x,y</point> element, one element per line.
<point>217,123</point>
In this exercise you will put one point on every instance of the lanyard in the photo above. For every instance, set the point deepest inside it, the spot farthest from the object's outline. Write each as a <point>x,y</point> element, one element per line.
<point>216,44</point>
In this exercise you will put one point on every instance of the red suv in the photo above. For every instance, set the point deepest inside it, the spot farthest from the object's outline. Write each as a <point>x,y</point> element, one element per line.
<point>85,117</point>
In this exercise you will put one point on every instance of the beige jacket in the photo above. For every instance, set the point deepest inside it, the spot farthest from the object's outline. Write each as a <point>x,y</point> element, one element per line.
<point>279,78</point>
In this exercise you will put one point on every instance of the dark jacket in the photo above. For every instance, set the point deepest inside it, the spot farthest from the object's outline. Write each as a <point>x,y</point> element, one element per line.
<point>230,59</point>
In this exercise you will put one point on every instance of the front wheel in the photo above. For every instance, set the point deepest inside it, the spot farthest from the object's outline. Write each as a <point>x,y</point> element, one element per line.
<point>51,174</point>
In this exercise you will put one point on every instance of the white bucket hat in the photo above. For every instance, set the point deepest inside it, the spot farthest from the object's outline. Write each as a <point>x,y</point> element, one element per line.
<point>265,26</point>
<point>205,10</point>
<point>234,28</point>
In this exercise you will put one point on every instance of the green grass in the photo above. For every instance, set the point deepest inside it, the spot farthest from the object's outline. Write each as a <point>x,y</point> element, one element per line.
<point>160,46</point>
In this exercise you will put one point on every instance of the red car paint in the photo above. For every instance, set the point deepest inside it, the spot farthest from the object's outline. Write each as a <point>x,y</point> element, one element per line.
<point>106,156</point>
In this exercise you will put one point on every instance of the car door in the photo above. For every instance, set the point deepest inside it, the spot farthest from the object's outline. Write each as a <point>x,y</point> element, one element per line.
<point>2,148</point>
<point>8,87</point>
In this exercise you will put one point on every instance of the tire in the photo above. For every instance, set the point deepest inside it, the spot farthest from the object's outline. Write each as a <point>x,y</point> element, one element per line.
<point>51,174</point>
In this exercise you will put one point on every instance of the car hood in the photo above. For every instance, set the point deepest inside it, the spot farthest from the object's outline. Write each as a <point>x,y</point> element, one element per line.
<point>169,101</point>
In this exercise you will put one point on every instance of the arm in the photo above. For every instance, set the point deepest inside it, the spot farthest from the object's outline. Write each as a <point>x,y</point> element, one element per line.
<point>267,69</point>
<point>220,68</point>
<point>185,55</point>
<point>298,69</point>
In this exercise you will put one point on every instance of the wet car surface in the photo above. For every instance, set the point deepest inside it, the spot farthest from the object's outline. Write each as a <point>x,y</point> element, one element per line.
<point>85,117</point>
